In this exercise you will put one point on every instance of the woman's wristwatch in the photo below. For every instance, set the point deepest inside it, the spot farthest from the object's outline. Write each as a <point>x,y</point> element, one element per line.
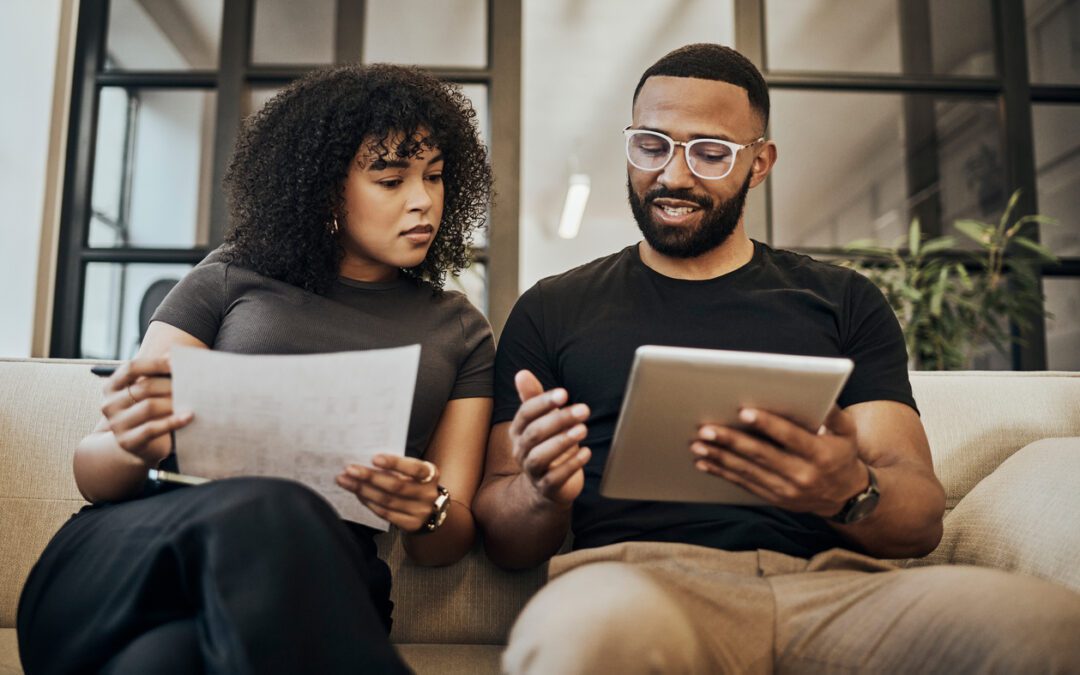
<point>439,509</point>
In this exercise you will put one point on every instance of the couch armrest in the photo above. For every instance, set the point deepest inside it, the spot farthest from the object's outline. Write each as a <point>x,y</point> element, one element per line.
<point>1022,517</point>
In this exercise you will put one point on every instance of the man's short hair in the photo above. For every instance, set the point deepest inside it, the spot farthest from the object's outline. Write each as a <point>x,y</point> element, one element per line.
<point>714,62</point>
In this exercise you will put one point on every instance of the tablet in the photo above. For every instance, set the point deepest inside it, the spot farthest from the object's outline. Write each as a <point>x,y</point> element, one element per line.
<point>672,391</point>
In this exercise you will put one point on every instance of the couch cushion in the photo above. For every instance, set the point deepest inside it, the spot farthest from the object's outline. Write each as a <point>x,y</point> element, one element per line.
<point>976,419</point>
<point>470,602</point>
<point>1021,516</point>
<point>9,653</point>
<point>45,408</point>
<point>451,659</point>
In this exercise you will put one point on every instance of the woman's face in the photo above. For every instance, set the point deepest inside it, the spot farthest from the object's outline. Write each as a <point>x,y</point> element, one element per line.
<point>393,207</point>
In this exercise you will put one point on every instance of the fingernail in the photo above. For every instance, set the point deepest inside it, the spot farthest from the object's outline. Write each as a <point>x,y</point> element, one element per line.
<point>699,450</point>
<point>701,466</point>
<point>583,454</point>
<point>580,411</point>
<point>707,433</point>
<point>747,415</point>
<point>558,396</point>
<point>379,460</point>
<point>356,471</point>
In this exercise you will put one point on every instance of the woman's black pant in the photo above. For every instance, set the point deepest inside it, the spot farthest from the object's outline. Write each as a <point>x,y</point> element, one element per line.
<point>249,575</point>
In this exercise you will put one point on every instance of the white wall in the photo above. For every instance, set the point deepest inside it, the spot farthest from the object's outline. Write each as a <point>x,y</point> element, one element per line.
<point>29,34</point>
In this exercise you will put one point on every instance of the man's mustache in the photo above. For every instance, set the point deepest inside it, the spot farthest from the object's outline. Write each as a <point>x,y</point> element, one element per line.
<point>661,192</point>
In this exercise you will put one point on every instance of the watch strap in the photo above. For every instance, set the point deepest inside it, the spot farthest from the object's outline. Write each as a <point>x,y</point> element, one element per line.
<point>862,504</point>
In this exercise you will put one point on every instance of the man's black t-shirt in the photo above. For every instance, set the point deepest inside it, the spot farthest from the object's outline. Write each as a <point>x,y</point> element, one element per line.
<point>579,330</point>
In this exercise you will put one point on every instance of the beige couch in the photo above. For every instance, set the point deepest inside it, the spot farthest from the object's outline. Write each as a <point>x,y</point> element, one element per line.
<point>454,620</point>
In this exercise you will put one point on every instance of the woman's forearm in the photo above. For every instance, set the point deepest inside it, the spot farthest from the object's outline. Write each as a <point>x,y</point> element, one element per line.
<point>446,545</point>
<point>104,471</point>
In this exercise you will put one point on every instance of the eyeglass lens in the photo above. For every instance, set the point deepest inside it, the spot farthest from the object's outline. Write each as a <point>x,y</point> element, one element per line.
<point>651,152</point>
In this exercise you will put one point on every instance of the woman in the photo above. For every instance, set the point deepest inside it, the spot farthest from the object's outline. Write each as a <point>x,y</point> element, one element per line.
<point>352,194</point>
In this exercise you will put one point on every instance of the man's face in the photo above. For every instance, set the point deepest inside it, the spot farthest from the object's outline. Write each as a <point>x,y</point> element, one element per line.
<point>680,214</point>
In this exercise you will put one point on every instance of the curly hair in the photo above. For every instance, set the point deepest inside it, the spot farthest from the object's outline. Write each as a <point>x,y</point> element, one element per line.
<point>285,180</point>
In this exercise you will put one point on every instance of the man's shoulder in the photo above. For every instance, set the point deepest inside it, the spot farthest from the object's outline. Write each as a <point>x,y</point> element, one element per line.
<point>808,270</point>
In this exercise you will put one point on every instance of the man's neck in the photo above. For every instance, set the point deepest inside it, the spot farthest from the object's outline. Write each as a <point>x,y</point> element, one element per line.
<point>737,251</point>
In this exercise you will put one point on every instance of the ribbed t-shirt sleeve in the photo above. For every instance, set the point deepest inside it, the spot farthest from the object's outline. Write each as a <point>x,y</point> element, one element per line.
<point>196,305</point>
<point>521,346</point>
<point>875,342</point>
<point>478,363</point>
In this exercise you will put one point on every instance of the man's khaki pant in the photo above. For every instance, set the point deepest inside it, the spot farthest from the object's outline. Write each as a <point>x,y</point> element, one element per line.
<point>675,608</point>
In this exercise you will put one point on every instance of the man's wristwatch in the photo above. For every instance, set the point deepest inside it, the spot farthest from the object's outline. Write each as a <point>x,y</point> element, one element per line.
<point>439,509</point>
<point>861,505</point>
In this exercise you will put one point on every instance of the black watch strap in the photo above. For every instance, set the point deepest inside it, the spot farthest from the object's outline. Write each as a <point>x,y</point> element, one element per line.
<point>862,504</point>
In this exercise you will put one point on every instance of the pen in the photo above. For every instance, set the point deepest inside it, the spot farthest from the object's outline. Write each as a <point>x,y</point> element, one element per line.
<point>173,477</point>
<point>106,370</point>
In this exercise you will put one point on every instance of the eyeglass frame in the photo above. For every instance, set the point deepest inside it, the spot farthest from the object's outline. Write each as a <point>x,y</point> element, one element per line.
<point>628,131</point>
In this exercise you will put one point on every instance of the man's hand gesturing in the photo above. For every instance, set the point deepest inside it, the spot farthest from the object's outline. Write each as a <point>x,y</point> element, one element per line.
<point>545,437</point>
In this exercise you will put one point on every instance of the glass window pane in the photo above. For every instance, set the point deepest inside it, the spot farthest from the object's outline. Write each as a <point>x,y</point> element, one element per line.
<point>152,168</point>
<point>1057,165</point>
<point>842,177</point>
<point>163,35</point>
<point>289,32</point>
<point>970,163</point>
<point>445,33</point>
<point>478,94</point>
<point>944,38</point>
<point>473,283</point>
<point>256,98</point>
<point>1053,32</point>
<point>1063,331</point>
<point>118,300</point>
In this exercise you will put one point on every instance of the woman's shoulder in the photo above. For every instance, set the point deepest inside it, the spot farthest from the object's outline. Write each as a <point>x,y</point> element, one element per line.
<point>458,303</point>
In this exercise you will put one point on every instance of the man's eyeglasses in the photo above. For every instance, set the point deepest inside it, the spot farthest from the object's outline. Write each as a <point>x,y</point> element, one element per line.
<point>708,158</point>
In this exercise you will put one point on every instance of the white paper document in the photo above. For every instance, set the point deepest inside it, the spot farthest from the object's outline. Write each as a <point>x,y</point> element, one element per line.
<point>300,417</point>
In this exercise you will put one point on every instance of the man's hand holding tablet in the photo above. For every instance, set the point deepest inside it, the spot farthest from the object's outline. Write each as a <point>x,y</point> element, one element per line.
<point>754,420</point>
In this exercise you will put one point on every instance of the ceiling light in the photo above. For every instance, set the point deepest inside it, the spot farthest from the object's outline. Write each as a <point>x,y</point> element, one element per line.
<point>577,195</point>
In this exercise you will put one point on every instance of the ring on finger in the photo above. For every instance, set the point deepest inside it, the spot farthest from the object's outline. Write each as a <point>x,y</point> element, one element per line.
<point>132,396</point>
<point>431,473</point>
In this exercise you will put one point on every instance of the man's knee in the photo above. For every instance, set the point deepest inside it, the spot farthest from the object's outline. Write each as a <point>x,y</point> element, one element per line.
<point>604,617</point>
<point>1005,621</point>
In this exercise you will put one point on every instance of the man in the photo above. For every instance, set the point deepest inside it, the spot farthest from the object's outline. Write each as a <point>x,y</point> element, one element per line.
<point>672,587</point>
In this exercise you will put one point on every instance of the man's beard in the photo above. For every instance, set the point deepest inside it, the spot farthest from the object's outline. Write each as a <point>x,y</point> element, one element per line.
<point>716,225</point>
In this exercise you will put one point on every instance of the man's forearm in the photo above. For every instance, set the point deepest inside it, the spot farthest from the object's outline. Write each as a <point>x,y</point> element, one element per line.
<point>907,520</point>
<point>521,528</point>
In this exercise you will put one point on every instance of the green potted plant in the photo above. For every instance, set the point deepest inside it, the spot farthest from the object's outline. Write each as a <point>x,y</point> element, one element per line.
<point>949,301</point>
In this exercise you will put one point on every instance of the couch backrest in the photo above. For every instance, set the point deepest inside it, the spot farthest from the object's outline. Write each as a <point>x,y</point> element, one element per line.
<point>974,421</point>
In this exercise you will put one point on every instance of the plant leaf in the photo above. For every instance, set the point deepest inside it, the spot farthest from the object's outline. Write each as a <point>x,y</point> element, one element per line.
<point>938,244</point>
<point>975,230</point>
<point>938,294</point>
<point>914,237</point>
<point>1039,249</point>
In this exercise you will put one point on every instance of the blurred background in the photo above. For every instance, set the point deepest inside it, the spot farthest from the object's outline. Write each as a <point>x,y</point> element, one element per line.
<point>119,117</point>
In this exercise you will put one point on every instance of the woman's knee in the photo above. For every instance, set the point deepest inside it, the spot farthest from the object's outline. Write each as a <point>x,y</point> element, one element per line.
<point>262,504</point>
